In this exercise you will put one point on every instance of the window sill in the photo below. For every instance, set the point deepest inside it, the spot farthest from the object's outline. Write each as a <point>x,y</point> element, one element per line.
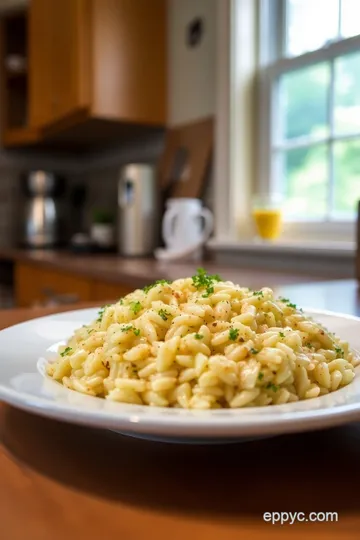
<point>293,247</point>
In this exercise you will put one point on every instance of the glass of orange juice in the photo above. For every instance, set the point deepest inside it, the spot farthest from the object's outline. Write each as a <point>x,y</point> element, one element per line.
<point>267,214</point>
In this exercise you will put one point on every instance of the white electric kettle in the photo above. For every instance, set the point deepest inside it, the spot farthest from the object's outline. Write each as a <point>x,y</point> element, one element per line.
<point>186,225</point>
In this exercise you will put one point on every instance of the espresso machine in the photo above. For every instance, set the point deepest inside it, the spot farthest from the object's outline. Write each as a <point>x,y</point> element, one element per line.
<point>41,223</point>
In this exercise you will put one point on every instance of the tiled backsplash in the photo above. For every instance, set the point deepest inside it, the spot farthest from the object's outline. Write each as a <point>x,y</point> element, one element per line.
<point>98,172</point>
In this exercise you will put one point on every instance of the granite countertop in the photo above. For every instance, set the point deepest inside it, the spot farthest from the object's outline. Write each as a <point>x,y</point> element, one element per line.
<point>138,272</point>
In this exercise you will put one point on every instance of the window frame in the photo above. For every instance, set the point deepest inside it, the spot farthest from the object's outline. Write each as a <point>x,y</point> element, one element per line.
<point>271,66</point>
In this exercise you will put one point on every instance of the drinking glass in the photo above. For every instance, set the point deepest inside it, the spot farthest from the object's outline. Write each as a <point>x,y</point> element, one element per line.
<point>267,214</point>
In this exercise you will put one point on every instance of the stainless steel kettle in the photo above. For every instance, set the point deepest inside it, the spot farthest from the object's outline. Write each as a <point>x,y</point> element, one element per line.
<point>138,223</point>
<point>41,223</point>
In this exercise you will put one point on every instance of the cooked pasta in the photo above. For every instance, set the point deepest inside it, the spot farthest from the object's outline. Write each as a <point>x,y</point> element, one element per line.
<point>203,343</point>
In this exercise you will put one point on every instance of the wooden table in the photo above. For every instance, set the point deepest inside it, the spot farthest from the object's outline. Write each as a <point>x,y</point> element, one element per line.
<point>61,481</point>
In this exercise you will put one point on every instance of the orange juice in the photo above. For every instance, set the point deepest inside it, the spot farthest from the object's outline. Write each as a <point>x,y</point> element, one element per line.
<point>268,222</point>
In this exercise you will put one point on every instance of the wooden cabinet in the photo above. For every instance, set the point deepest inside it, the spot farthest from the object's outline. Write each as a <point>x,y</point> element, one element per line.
<point>97,64</point>
<point>96,69</point>
<point>35,285</point>
<point>109,291</point>
<point>59,52</point>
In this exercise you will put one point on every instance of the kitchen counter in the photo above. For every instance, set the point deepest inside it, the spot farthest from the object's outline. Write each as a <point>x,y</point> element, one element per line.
<point>137,272</point>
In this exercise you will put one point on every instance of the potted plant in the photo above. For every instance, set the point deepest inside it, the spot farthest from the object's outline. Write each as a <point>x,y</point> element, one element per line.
<point>102,228</point>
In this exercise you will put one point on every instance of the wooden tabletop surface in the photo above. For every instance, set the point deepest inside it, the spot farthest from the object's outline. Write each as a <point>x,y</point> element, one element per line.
<point>62,481</point>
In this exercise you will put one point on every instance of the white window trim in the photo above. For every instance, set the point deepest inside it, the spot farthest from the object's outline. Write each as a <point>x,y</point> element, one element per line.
<point>269,73</point>
<point>235,177</point>
<point>236,65</point>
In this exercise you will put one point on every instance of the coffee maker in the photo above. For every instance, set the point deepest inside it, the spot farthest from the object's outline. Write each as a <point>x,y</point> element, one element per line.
<point>41,224</point>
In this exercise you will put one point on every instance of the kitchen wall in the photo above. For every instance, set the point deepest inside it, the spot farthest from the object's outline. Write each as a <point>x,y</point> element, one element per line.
<point>191,69</point>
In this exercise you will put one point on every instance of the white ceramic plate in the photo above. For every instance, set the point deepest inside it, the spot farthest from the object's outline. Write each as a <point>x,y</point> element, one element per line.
<point>25,348</point>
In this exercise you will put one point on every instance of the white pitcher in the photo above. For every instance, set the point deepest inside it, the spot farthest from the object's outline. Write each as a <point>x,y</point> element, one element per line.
<point>186,224</point>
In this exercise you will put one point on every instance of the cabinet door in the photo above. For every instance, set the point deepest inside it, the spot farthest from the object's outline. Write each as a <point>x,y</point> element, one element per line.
<point>129,60</point>
<point>109,292</point>
<point>70,21</point>
<point>59,59</point>
<point>35,286</point>
<point>40,63</point>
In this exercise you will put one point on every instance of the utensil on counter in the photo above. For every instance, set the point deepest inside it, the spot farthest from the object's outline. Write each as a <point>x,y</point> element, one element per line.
<point>186,159</point>
<point>137,210</point>
<point>186,227</point>
<point>41,225</point>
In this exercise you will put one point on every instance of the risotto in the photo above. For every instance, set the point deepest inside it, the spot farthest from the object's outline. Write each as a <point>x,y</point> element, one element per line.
<point>202,343</point>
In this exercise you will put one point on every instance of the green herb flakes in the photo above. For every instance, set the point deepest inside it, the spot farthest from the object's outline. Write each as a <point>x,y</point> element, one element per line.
<point>158,282</point>
<point>203,280</point>
<point>254,351</point>
<point>339,352</point>
<point>260,376</point>
<point>281,334</point>
<point>287,302</point>
<point>135,307</point>
<point>137,332</point>
<point>198,336</point>
<point>164,314</point>
<point>127,328</point>
<point>233,334</point>
<point>66,351</point>
<point>272,386</point>
<point>101,312</point>
<point>258,293</point>
<point>209,290</point>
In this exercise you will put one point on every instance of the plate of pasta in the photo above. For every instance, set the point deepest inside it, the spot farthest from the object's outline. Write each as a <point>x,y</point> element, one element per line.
<point>197,358</point>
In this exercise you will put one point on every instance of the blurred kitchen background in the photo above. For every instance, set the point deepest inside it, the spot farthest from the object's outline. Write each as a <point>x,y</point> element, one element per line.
<point>142,137</point>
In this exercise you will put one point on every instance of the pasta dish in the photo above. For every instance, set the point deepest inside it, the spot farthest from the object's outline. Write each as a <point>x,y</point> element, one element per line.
<point>201,343</point>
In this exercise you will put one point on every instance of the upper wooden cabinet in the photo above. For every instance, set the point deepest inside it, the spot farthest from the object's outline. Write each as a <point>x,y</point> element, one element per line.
<point>95,60</point>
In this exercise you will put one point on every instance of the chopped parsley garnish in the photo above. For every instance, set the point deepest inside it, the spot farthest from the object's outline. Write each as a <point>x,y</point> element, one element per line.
<point>339,351</point>
<point>308,345</point>
<point>127,328</point>
<point>258,293</point>
<point>199,336</point>
<point>272,386</point>
<point>281,334</point>
<point>135,307</point>
<point>233,333</point>
<point>164,314</point>
<point>260,376</point>
<point>131,327</point>
<point>287,302</point>
<point>254,351</point>
<point>101,312</point>
<point>209,290</point>
<point>121,301</point>
<point>203,280</point>
<point>158,282</point>
<point>66,351</point>
<point>90,330</point>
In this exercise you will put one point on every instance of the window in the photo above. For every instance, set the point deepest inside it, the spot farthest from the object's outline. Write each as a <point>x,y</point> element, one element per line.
<point>310,95</point>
